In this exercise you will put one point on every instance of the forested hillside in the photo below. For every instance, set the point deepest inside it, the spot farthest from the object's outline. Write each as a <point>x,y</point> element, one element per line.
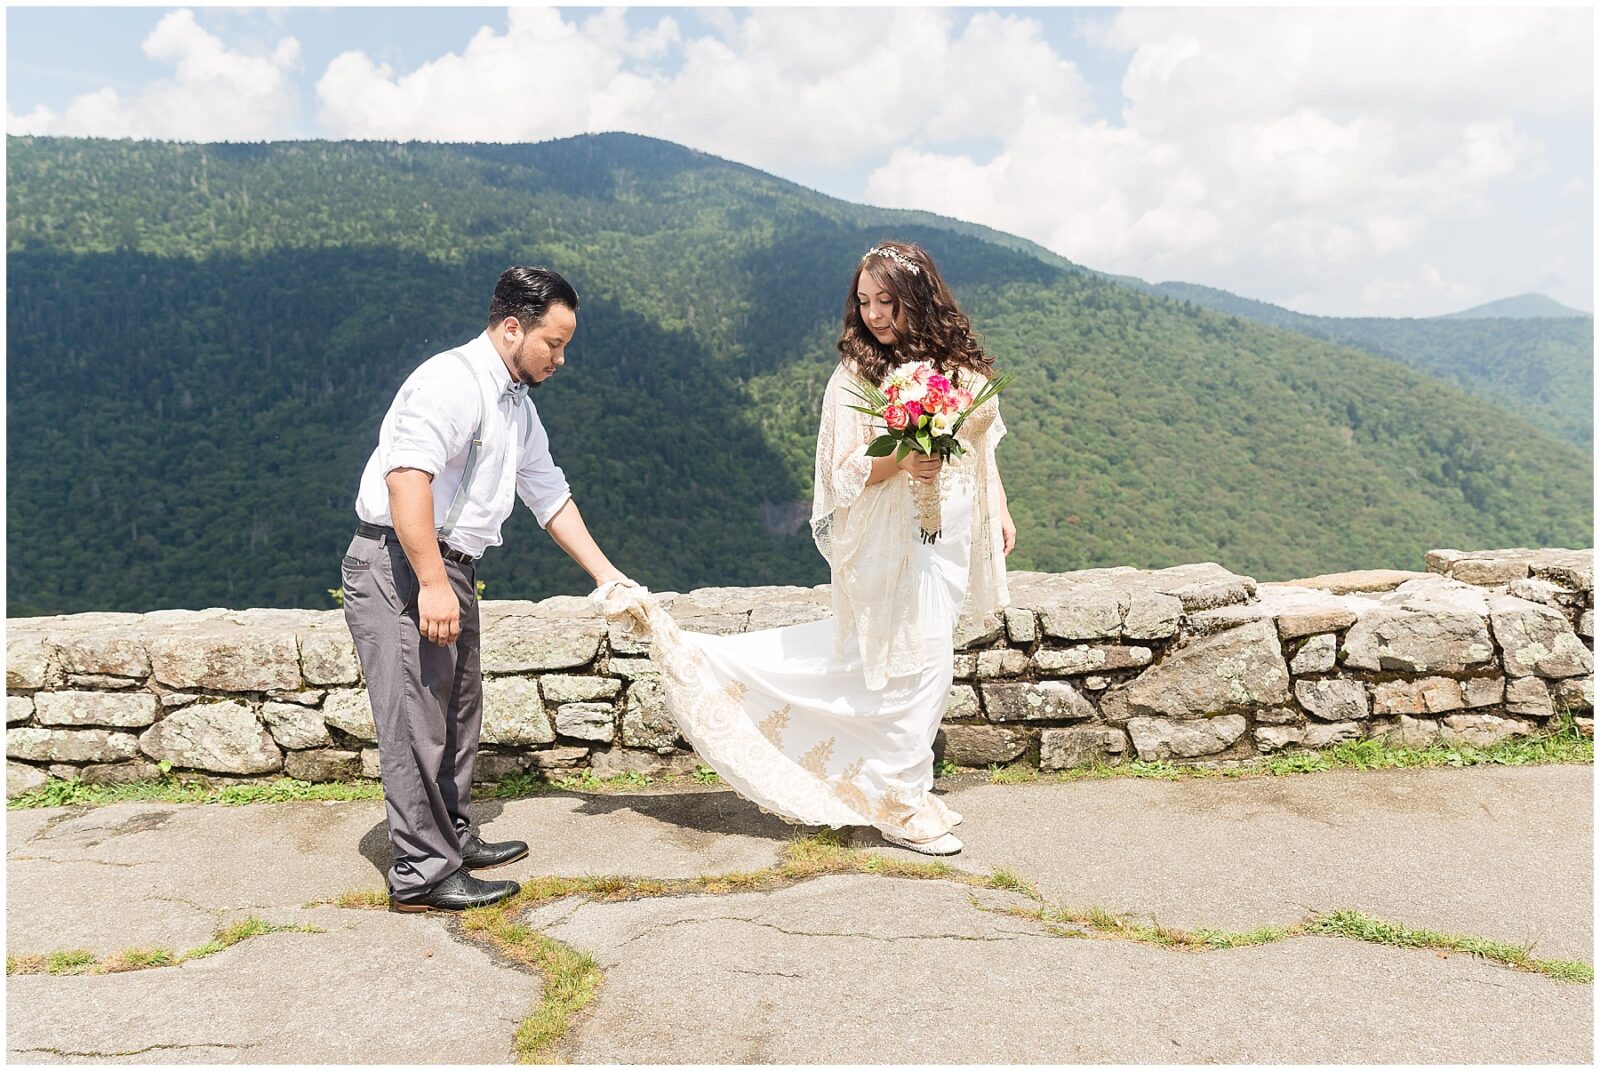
<point>1538,367</point>
<point>201,340</point>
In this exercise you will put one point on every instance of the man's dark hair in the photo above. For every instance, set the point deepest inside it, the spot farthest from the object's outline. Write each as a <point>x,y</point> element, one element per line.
<point>527,294</point>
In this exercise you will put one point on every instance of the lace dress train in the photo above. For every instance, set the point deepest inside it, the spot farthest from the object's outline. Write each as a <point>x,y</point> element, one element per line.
<point>785,715</point>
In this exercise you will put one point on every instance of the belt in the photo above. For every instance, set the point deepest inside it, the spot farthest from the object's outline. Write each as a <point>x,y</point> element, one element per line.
<point>379,531</point>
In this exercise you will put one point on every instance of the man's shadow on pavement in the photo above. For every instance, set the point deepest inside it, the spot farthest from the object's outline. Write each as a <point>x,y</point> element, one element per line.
<point>714,811</point>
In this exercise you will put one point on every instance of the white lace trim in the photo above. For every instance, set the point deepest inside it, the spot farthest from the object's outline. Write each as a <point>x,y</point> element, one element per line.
<point>748,752</point>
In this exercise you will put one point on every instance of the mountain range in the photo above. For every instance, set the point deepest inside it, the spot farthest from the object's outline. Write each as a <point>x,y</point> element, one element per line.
<point>1539,367</point>
<point>202,338</point>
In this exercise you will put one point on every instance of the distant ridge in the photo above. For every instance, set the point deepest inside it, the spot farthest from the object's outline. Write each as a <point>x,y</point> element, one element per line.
<point>1539,366</point>
<point>1521,307</point>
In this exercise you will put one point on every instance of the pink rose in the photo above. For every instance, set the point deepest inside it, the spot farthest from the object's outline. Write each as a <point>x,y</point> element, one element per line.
<point>935,401</point>
<point>963,398</point>
<point>913,410</point>
<point>939,383</point>
<point>893,393</point>
<point>896,416</point>
<point>923,371</point>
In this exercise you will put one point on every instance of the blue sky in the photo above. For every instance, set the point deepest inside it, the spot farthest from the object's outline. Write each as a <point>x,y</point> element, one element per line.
<point>1337,161</point>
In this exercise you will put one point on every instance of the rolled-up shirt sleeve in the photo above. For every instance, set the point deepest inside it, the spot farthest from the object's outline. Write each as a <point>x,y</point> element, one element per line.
<point>541,484</point>
<point>434,416</point>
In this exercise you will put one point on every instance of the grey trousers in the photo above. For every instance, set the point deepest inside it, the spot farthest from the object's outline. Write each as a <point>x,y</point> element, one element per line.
<point>427,702</point>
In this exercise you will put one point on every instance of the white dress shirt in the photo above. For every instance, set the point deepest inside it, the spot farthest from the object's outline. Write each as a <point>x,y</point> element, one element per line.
<point>429,426</point>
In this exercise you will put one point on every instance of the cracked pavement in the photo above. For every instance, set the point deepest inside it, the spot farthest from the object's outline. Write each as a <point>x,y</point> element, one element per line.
<point>844,967</point>
<point>903,984</point>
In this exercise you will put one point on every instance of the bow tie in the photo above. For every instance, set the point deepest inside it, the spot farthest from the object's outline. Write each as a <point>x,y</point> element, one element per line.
<point>515,391</point>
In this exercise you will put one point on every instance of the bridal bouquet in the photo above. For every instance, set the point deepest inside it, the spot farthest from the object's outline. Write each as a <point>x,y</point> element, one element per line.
<point>922,410</point>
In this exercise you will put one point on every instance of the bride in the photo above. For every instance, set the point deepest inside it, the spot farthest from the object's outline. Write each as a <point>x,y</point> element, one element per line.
<point>833,722</point>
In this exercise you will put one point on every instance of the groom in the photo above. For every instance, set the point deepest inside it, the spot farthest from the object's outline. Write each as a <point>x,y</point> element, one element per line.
<point>459,443</point>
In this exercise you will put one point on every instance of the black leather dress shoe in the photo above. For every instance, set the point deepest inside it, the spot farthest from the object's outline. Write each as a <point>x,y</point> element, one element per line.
<point>458,892</point>
<point>477,855</point>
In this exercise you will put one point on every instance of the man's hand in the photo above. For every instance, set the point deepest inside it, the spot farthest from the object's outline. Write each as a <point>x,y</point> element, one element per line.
<point>924,468</point>
<point>411,506</point>
<point>439,614</point>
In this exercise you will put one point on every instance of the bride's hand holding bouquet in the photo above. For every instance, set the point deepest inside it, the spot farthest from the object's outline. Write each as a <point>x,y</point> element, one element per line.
<point>922,412</point>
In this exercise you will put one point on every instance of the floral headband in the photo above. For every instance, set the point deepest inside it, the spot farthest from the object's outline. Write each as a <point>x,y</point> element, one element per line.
<point>899,258</point>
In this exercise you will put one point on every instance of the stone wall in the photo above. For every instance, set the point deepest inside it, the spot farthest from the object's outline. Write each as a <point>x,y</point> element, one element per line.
<point>1191,663</point>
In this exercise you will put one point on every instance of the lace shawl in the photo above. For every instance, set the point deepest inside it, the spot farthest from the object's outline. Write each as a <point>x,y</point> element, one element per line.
<point>868,536</point>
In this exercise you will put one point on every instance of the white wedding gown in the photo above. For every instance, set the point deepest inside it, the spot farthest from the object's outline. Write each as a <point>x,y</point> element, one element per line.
<point>786,716</point>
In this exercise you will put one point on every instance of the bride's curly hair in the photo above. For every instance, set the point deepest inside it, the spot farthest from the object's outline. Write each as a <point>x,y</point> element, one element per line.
<point>936,329</point>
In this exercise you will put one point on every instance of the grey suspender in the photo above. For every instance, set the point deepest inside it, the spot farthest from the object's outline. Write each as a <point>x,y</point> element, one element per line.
<point>460,498</point>
<point>472,453</point>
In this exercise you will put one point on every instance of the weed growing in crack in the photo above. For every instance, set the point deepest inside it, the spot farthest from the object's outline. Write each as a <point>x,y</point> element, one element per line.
<point>79,961</point>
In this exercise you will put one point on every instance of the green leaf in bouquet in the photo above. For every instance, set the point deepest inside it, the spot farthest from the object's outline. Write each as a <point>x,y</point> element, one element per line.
<point>868,393</point>
<point>883,446</point>
<point>905,448</point>
<point>989,390</point>
<point>925,442</point>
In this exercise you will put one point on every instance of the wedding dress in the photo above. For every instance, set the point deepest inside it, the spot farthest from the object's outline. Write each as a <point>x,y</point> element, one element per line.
<point>832,722</point>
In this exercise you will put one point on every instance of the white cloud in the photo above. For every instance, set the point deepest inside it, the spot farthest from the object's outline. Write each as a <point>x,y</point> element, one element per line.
<point>1286,147</point>
<point>35,122</point>
<point>1456,63</point>
<point>776,88</point>
<point>543,77</point>
<point>1098,193</point>
<point>214,93</point>
<point>1426,288</point>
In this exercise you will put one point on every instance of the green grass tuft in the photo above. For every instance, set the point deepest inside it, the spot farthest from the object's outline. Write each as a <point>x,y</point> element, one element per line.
<point>1225,939</point>
<point>137,959</point>
<point>515,786</point>
<point>242,930</point>
<point>1015,774</point>
<point>1354,925</point>
<point>1565,970</point>
<point>1364,927</point>
<point>572,980</point>
<point>75,961</point>
<point>79,961</point>
<point>1001,878</point>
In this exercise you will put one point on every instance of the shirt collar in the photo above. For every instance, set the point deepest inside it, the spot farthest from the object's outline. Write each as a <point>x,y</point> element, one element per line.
<point>481,351</point>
